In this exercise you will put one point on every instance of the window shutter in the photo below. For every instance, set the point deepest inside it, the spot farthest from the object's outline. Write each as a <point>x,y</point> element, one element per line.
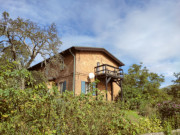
<point>64,86</point>
<point>94,88</point>
<point>83,87</point>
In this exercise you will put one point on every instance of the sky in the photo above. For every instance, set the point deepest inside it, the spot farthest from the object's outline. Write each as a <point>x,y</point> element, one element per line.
<point>134,31</point>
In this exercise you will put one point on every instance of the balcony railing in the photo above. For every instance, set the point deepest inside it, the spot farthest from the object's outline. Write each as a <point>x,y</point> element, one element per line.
<point>108,70</point>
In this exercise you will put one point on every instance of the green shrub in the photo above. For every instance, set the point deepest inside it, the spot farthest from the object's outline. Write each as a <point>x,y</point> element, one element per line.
<point>168,108</point>
<point>150,125</point>
<point>167,128</point>
<point>38,110</point>
<point>170,112</point>
<point>51,113</point>
<point>147,110</point>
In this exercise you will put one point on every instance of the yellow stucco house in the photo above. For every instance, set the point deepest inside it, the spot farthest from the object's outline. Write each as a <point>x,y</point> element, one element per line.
<point>85,64</point>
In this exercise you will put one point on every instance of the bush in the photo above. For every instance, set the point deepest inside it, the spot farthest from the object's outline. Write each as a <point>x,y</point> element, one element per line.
<point>168,108</point>
<point>38,110</point>
<point>170,112</point>
<point>51,113</point>
<point>149,125</point>
<point>167,128</point>
<point>147,110</point>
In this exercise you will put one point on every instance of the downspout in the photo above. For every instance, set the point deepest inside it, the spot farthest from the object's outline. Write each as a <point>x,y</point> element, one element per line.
<point>121,86</point>
<point>73,71</point>
<point>121,90</point>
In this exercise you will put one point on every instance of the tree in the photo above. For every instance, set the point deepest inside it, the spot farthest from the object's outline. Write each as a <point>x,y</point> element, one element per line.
<point>177,76</point>
<point>23,40</point>
<point>139,77</point>
<point>140,86</point>
<point>174,89</point>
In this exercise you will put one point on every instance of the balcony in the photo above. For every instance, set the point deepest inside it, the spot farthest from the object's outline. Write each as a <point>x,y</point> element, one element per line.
<point>110,74</point>
<point>106,70</point>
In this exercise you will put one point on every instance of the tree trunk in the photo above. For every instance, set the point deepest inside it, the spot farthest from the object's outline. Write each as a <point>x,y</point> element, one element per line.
<point>22,83</point>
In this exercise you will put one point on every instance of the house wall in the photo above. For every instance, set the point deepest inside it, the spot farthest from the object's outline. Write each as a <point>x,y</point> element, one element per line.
<point>64,75</point>
<point>67,73</point>
<point>85,63</point>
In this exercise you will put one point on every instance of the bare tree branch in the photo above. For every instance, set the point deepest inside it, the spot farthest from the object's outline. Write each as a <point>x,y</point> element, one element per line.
<point>27,46</point>
<point>12,46</point>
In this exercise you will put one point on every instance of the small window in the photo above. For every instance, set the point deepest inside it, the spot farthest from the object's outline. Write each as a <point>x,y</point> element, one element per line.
<point>62,66</point>
<point>104,68</point>
<point>87,87</point>
<point>98,64</point>
<point>62,86</point>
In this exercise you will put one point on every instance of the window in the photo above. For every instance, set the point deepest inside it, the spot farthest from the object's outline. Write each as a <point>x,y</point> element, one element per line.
<point>62,66</point>
<point>62,86</point>
<point>104,68</point>
<point>98,64</point>
<point>87,87</point>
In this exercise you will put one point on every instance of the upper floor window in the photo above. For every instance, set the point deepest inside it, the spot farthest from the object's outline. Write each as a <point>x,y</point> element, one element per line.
<point>98,68</point>
<point>62,66</point>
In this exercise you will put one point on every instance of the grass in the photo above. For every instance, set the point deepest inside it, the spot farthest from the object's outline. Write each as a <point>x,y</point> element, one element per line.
<point>133,115</point>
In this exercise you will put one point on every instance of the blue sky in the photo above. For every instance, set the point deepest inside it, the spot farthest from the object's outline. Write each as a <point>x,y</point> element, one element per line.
<point>134,31</point>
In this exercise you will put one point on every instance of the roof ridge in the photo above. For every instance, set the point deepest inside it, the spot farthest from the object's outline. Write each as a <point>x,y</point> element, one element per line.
<point>86,47</point>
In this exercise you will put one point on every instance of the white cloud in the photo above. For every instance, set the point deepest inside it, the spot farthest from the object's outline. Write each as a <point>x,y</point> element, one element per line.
<point>134,31</point>
<point>150,35</point>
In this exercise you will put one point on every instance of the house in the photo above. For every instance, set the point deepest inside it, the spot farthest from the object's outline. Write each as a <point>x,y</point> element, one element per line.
<point>80,62</point>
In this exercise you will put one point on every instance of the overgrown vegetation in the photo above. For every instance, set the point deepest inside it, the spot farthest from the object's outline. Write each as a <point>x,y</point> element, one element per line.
<point>142,94</point>
<point>35,109</point>
<point>38,110</point>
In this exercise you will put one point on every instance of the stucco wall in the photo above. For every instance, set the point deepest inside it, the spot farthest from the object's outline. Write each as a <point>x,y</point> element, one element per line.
<point>67,73</point>
<point>85,63</point>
